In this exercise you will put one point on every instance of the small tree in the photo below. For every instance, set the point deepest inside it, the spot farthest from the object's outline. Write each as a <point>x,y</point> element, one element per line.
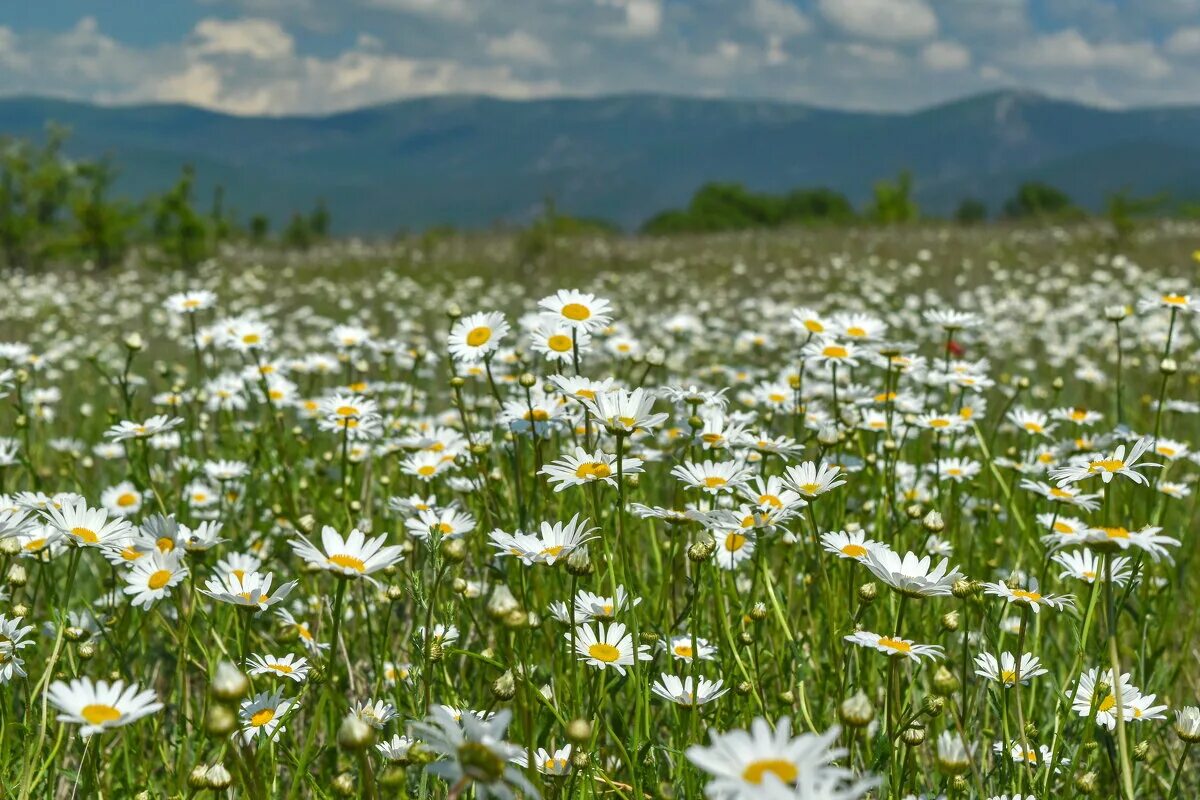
<point>970,212</point>
<point>893,201</point>
<point>260,227</point>
<point>178,228</point>
<point>1036,199</point>
<point>298,233</point>
<point>102,225</point>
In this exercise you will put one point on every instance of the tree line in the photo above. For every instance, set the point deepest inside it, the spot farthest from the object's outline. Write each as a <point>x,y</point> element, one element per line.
<point>718,207</point>
<point>56,208</point>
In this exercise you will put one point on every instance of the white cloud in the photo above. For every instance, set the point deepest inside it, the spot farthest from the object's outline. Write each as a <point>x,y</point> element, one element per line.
<point>640,18</point>
<point>1068,49</point>
<point>256,38</point>
<point>778,18</point>
<point>883,20</point>
<point>451,10</point>
<point>945,56</point>
<point>520,46</point>
<point>1184,42</point>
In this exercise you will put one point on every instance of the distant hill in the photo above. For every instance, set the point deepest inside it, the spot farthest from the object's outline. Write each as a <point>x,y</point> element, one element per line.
<point>475,161</point>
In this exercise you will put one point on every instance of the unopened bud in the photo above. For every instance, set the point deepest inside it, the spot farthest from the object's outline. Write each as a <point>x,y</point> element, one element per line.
<point>218,778</point>
<point>229,683</point>
<point>945,682</point>
<point>933,522</point>
<point>914,735</point>
<point>504,688</point>
<point>579,731</point>
<point>354,734</point>
<point>868,592</point>
<point>856,711</point>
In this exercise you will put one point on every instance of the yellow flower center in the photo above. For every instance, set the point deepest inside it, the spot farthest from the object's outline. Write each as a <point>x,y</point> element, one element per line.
<point>854,550</point>
<point>281,668</point>
<point>98,713</point>
<point>812,326</point>
<point>477,337</point>
<point>86,534</point>
<point>346,411</point>
<point>683,650</point>
<point>262,717</point>
<point>159,579</point>
<point>250,338</point>
<point>1108,703</point>
<point>559,343</point>
<point>1009,676</point>
<point>1021,594</point>
<point>756,770</point>
<point>1175,299</point>
<point>856,332</point>
<point>593,470</point>
<point>834,351</point>
<point>713,481</point>
<point>426,470</point>
<point>576,311</point>
<point>899,645</point>
<point>127,499</point>
<point>348,562</point>
<point>604,652</point>
<point>734,542</point>
<point>1106,465</point>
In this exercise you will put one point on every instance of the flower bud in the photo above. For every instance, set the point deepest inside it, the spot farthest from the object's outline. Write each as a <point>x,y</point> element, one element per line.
<point>579,731</point>
<point>962,588</point>
<point>196,778</point>
<point>343,785</point>
<point>218,778</point>
<point>1168,366</point>
<point>86,650</point>
<point>933,522</point>
<point>759,612</point>
<point>354,734</point>
<point>219,720</point>
<point>914,735</point>
<point>1114,313</point>
<point>229,683</point>
<point>950,621</point>
<point>868,592</point>
<point>454,550</point>
<point>945,682</point>
<point>579,563</point>
<point>504,688</point>
<point>856,711</point>
<point>502,603</point>
<point>933,705</point>
<point>1087,783</point>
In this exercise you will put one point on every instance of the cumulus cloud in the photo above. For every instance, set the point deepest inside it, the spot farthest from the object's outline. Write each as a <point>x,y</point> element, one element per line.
<point>256,38</point>
<point>520,46</point>
<point>1068,49</point>
<point>1184,42</point>
<point>944,56</point>
<point>883,20</point>
<point>778,18</point>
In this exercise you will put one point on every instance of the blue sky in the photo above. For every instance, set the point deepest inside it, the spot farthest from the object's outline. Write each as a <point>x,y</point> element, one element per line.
<point>320,56</point>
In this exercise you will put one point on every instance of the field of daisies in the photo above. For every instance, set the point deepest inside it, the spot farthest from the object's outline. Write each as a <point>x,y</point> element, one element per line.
<point>824,516</point>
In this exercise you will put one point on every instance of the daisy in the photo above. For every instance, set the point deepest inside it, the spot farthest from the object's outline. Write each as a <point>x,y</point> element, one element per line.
<point>687,691</point>
<point>1068,495</point>
<point>476,336</point>
<point>712,477</point>
<point>853,545</point>
<point>150,579</point>
<point>1085,565</point>
<point>607,647</point>
<point>291,667</point>
<point>190,302</point>
<point>624,412</point>
<point>122,500</point>
<point>812,480</point>
<point>583,468</point>
<point>448,523</point>
<point>302,631</point>
<point>558,763</point>
<point>425,465</point>
<point>767,762</point>
<point>1171,301</point>
<point>1148,540</point>
<point>895,646</point>
<point>1035,423</point>
<point>262,715</point>
<point>1106,467</point>
<point>830,353</point>
<point>808,322</point>
<point>100,706</point>
<point>396,748</point>
<point>909,574</point>
<point>251,590</point>
<point>556,341</point>
<point>375,713</point>
<point>941,423</point>
<point>956,469</point>
<point>857,326</point>
<point>950,320</point>
<point>1084,696</point>
<point>473,751</point>
<point>354,556</point>
<point>578,310</point>
<point>88,527</point>
<point>590,606</point>
<point>1004,670</point>
<point>772,494</point>
<point>682,649</point>
<point>142,430</point>
<point>1077,414</point>
<point>1031,596</point>
<point>734,548</point>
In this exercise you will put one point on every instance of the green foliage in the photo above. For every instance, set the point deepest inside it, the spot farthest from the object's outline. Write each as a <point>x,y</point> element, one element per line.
<point>1037,200</point>
<point>178,227</point>
<point>1123,210</point>
<point>970,212</point>
<point>719,207</point>
<point>893,202</point>
<point>103,226</point>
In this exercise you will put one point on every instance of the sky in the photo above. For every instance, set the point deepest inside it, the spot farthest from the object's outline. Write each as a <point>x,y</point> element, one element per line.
<point>322,56</point>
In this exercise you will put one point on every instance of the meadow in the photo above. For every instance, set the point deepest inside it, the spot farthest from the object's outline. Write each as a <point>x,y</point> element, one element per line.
<point>821,515</point>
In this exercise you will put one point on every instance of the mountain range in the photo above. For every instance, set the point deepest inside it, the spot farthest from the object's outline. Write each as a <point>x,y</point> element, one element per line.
<point>477,161</point>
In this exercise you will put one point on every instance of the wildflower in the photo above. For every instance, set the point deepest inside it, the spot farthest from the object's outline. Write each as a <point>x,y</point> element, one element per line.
<point>578,310</point>
<point>712,477</point>
<point>895,646</point>
<point>607,647</point>
<point>909,574</point>
<point>1004,670</point>
<point>686,691</point>
<point>1118,463</point>
<point>354,556</point>
<point>473,752</point>
<point>290,667</point>
<point>151,579</point>
<point>1031,596</point>
<point>476,336</point>
<point>582,468</point>
<point>262,715</point>
<point>99,706</point>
